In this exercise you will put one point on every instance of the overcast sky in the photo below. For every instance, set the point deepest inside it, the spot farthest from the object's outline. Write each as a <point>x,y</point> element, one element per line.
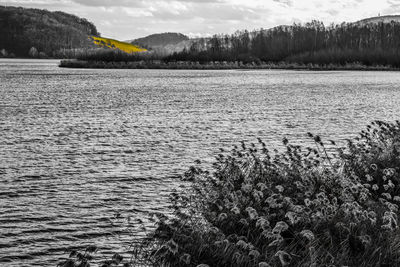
<point>129,19</point>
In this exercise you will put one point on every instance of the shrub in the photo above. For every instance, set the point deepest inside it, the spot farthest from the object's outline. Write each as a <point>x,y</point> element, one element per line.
<point>313,206</point>
<point>306,206</point>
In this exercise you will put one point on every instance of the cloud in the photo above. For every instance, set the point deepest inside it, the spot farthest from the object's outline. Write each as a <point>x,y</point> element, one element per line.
<point>394,5</point>
<point>136,3</point>
<point>108,3</point>
<point>128,19</point>
<point>285,2</point>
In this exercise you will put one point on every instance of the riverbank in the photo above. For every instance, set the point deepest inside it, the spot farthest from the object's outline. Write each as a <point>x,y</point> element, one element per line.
<point>185,65</point>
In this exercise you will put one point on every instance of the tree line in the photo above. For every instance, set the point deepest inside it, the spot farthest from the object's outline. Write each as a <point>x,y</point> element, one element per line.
<point>310,43</point>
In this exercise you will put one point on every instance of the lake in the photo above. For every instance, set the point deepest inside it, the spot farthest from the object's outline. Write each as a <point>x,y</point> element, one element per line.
<point>81,150</point>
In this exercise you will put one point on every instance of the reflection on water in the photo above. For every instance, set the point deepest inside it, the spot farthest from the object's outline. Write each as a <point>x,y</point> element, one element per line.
<point>78,146</point>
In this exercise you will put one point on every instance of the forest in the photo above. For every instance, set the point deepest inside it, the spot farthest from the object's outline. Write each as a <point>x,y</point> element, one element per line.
<point>40,33</point>
<point>310,43</point>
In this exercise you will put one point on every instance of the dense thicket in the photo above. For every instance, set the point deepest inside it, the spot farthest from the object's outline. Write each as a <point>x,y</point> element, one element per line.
<point>49,33</point>
<point>108,55</point>
<point>368,43</point>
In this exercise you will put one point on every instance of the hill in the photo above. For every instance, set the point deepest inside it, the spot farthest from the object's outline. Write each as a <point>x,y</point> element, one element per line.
<point>160,39</point>
<point>34,32</point>
<point>379,19</point>
<point>164,43</point>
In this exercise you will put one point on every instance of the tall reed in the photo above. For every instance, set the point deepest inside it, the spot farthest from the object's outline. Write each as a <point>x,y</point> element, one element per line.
<point>323,205</point>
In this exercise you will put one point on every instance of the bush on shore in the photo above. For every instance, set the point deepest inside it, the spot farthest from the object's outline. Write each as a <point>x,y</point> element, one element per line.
<point>322,60</point>
<point>149,63</point>
<point>306,206</point>
<point>302,207</point>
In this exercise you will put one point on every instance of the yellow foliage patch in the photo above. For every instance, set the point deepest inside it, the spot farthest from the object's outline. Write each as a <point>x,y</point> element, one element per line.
<point>114,44</point>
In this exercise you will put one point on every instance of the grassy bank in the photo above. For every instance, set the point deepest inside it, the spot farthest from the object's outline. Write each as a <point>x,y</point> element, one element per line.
<point>307,206</point>
<point>157,64</point>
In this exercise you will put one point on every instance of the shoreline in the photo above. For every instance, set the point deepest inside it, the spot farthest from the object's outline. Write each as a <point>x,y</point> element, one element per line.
<point>184,65</point>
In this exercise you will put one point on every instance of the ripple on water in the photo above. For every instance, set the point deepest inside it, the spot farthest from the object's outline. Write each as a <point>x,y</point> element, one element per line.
<point>79,146</point>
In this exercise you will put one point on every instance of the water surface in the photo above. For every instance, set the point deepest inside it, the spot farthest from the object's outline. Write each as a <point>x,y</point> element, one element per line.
<point>79,146</point>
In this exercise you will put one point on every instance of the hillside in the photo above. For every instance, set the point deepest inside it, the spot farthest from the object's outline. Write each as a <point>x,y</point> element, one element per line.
<point>160,39</point>
<point>164,43</point>
<point>384,19</point>
<point>115,44</point>
<point>34,32</point>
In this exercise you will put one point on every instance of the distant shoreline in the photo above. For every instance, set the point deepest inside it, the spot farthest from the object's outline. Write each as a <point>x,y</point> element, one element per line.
<point>185,65</point>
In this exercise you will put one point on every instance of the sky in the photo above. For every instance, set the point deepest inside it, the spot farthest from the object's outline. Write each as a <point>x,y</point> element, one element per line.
<point>130,19</point>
